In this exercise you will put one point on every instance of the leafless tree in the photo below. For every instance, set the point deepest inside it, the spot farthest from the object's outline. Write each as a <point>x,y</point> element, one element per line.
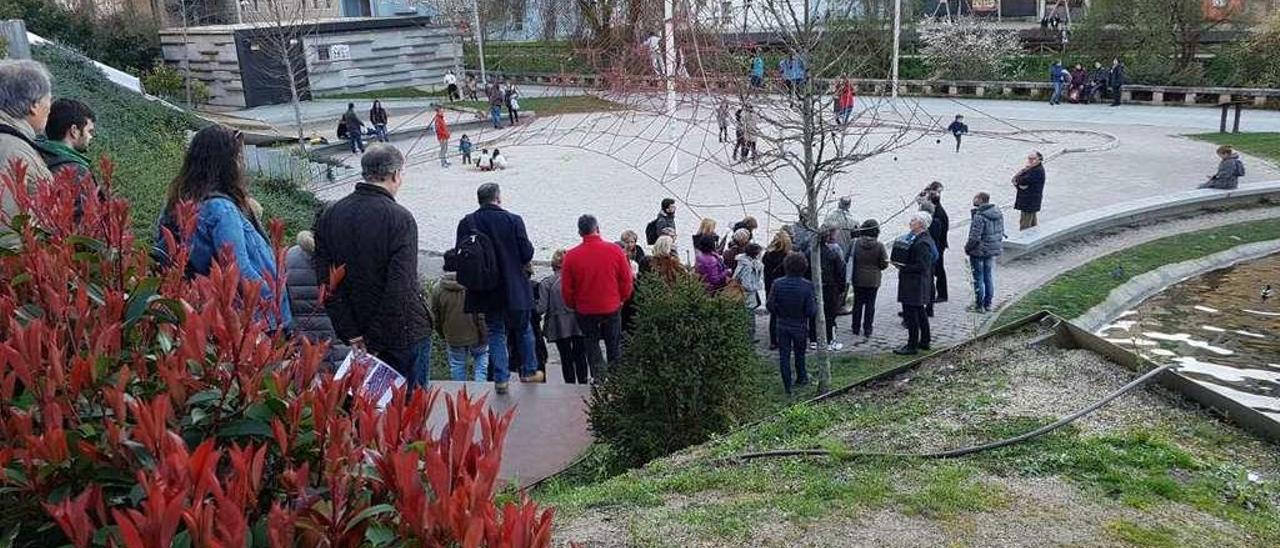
<point>281,28</point>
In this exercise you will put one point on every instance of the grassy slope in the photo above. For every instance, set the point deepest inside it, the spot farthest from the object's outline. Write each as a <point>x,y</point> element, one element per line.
<point>1262,145</point>
<point>1079,289</point>
<point>1146,479</point>
<point>146,141</point>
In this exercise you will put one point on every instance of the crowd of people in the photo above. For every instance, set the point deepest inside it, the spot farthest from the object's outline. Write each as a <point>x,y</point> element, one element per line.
<point>1078,85</point>
<point>487,308</point>
<point>352,128</point>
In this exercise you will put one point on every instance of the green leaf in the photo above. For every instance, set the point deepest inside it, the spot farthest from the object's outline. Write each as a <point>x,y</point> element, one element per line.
<point>20,279</point>
<point>260,412</point>
<point>169,311</point>
<point>245,427</point>
<point>380,535</point>
<point>141,296</point>
<point>202,397</point>
<point>372,511</point>
<point>91,244</point>
<point>181,540</point>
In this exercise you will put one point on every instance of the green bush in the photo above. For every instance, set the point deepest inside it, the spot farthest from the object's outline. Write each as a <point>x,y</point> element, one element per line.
<point>167,82</point>
<point>684,375</point>
<point>125,40</point>
<point>147,140</point>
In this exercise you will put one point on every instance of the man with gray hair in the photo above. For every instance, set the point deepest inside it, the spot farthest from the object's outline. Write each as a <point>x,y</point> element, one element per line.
<point>378,305</point>
<point>914,255</point>
<point>842,220</point>
<point>25,98</point>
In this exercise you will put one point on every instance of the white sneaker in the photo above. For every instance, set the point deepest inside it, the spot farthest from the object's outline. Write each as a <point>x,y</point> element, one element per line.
<point>835,347</point>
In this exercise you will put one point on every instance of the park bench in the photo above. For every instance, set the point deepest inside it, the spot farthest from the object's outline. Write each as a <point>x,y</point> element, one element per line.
<point>1077,225</point>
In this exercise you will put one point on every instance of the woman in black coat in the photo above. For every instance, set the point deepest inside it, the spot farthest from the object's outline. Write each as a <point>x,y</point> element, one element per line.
<point>778,250</point>
<point>914,255</point>
<point>938,231</point>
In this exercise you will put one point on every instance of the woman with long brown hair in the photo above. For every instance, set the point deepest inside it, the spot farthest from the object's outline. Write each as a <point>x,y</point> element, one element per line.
<point>212,177</point>
<point>777,251</point>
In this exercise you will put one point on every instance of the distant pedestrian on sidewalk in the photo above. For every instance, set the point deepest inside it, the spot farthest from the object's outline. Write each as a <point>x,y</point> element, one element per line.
<point>722,120</point>
<point>914,255</point>
<point>1097,82</point>
<point>1059,77</point>
<point>938,230</point>
<point>1029,183</point>
<point>378,117</point>
<point>560,325</point>
<point>496,102</point>
<point>354,128</point>
<point>985,243</point>
<point>844,101</point>
<point>463,332</point>
<point>793,306</point>
<point>505,291</point>
<point>757,70</point>
<point>596,281</point>
<point>465,147</point>
<point>512,98</point>
<point>958,129</point>
<point>451,86</point>
<point>469,87</point>
<point>1230,170</point>
<point>441,128</point>
<point>867,262</point>
<point>1117,79</point>
<point>378,305</point>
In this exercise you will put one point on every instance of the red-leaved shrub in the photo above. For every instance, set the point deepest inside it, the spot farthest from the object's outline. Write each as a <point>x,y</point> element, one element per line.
<point>142,409</point>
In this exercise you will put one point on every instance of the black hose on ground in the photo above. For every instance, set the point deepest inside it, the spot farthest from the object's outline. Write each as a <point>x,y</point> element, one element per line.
<point>954,453</point>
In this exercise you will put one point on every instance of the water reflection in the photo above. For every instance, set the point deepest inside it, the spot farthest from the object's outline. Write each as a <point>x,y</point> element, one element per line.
<point>1219,328</point>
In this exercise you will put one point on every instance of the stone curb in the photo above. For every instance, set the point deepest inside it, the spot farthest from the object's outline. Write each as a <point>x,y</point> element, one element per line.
<point>1144,286</point>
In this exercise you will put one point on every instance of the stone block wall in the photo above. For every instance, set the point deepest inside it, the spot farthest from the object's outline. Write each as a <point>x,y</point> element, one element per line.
<point>383,58</point>
<point>213,61</point>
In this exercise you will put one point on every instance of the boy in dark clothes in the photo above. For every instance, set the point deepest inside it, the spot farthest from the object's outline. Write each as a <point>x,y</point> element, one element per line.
<point>794,306</point>
<point>958,129</point>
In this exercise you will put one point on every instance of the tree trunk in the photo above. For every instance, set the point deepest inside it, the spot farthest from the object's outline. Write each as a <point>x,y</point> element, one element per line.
<point>293,99</point>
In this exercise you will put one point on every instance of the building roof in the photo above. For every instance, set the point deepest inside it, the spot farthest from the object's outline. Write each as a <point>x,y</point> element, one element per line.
<point>331,24</point>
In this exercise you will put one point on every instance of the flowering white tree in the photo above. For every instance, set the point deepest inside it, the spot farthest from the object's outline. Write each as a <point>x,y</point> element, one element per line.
<point>967,48</point>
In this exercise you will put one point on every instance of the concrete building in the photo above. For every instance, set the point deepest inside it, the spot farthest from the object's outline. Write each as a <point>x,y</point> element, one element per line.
<point>332,56</point>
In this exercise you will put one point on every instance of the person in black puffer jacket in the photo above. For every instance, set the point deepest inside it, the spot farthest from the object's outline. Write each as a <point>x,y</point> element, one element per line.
<point>938,231</point>
<point>309,318</point>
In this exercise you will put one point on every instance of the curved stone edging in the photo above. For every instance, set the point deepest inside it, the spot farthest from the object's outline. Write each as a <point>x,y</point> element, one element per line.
<point>1144,286</point>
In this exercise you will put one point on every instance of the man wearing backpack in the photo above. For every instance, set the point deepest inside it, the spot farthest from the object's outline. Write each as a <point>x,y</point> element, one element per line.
<point>378,305</point>
<point>666,219</point>
<point>493,249</point>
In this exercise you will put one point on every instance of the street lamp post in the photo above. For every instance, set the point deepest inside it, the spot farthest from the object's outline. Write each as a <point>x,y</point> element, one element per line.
<point>475,21</point>
<point>897,44</point>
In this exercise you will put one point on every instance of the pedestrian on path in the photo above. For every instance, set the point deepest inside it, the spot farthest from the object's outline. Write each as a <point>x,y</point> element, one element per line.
<point>597,280</point>
<point>496,102</point>
<point>1097,82</point>
<point>1029,183</point>
<point>834,287</point>
<point>772,261</point>
<point>722,120</point>
<point>914,256</point>
<point>560,325</point>
<point>1059,77</point>
<point>378,117</point>
<point>793,307</point>
<point>441,128</point>
<point>463,333</point>
<point>512,99</point>
<point>749,273</point>
<point>708,265</point>
<point>938,231</point>
<point>1117,79</point>
<point>465,147</point>
<point>666,219</point>
<point>1230,170</point>
<point>757,70</point>
<point>378,305</point>
<point>842,220</point>
<point>844,101</point>
<point>451,86</point>
<point>505,291</point>
<point>958,129</point>
<point>985,243</point>
<point>469,87</point>
<point>867,262</point>
<point>355,129</point>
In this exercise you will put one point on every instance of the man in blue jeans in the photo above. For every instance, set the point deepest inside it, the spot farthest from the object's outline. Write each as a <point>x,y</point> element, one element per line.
<point>794,306</point>
<point>512,294</point>
<point>496,101</point>
<point>1059,77</point>
<point>378,306</point>
<point>985,243</point>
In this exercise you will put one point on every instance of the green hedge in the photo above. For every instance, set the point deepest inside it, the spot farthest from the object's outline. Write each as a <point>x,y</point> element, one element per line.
<point>146,141</point>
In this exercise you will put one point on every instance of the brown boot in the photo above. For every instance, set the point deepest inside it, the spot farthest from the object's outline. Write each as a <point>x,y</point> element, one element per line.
<point>537,376</point>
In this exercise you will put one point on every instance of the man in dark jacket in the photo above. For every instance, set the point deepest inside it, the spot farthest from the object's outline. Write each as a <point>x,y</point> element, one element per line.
<point>1117,80</point>
<point>794,306</point>
<point>70,129</point>
<point>915,283</point>
<point>666,218</point>
<point>378,305</point>
<point>355,128</point>
<point>834,287</point>
<point>985,243</point>
<point>513,294</point>
<point>309,317</point>
<point>595,282</point>
<point>1030,186</point>
<point>1097,82</point>
<point>938,230</point>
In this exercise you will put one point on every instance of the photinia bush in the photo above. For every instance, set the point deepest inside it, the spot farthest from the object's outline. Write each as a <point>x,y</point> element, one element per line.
<point>142,409</point>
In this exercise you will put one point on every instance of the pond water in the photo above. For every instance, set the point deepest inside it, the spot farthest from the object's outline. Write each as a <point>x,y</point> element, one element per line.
<point>1223,328</point>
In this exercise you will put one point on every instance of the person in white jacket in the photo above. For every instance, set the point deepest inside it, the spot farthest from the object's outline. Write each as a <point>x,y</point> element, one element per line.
<point>498,160</point>
<point>750,273</point>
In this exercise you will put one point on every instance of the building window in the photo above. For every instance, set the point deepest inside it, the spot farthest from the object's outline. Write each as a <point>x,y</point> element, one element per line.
<point>322,53</point>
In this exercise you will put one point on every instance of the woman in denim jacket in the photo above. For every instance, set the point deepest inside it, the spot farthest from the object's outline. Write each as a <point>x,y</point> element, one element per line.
<point>212,176</point>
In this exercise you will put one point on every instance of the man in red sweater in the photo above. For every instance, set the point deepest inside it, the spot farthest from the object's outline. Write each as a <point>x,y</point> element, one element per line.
<point>595,281</point>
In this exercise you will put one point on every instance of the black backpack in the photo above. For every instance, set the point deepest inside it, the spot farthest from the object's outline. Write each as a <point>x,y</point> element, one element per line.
<point>651,232</point>
<point>901,251</point>
<point>475,260</point>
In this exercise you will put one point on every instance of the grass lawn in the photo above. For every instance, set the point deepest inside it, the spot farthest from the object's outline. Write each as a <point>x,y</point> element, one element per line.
<point>1262,145</point>
<point>1076,291</point>
<point>550,106</point>
<point>406,92</point>
<point>1148,471</point>
<point>147,140</point>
